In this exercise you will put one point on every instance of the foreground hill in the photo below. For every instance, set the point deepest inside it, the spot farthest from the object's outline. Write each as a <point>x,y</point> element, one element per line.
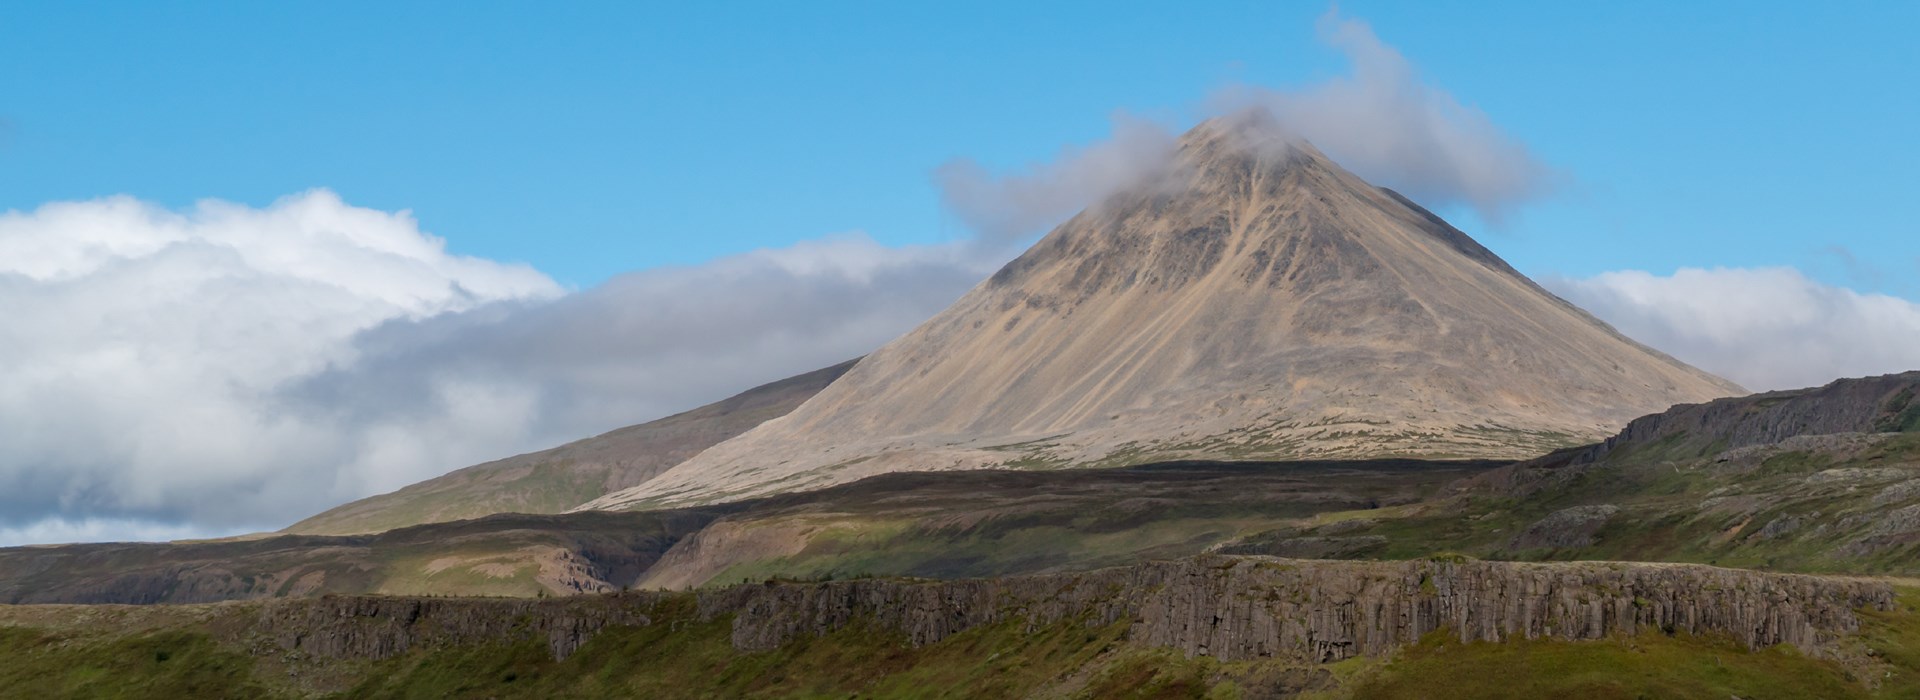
<point>555,480</point>
<point>1254,302</point>
<point>1213,627</point>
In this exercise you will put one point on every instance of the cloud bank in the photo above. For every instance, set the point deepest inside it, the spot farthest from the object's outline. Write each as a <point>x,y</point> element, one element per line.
<point>226,368</point>
<point>1768,328</point>
<point>1382,121</point>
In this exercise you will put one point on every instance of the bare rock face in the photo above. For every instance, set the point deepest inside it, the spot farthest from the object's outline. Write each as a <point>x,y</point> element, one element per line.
<point>357,627</point>
<point>1231,608</point>
<point>1564,529</point>
<point>1246,608</point>
<point>1259,302</point>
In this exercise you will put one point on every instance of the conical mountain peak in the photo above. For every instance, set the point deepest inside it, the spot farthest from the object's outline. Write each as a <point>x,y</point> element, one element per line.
<point>1256,302</point>
<point>1245,143</point>
<point>1242,198</point>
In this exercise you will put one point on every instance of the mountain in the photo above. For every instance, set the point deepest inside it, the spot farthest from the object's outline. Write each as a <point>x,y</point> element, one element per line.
<point>1255,301</point>
<point>552,481</point>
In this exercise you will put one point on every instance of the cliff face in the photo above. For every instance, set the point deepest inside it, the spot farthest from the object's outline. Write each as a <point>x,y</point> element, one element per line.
<point>359,627</point>
<point>1246,608</point>
<point>1232,608</point>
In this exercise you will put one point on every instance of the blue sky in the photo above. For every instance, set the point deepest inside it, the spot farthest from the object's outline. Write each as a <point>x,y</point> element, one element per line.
<point>590,140</point>
<point>226,308</point>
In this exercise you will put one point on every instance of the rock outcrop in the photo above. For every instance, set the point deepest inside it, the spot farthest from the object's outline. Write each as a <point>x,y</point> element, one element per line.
<point>364,627</point>
<point>1564,529</point>
<point>1238,608</point>
<point>1232,608</point>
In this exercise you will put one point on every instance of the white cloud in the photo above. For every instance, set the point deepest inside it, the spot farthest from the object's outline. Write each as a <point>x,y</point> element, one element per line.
<point>171,374</point>
<point>62,531</point>
<point>1381,121</point>
<point>1767,328</point>
<point>1002,209</point>
<point>142,346</point>
<point>643,345</point>
<point>1387,125</point>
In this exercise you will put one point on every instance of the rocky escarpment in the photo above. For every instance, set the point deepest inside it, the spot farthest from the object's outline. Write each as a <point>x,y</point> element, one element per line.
<point>363,627</point>
<point>1238,608</point>
<point>1887,403</point>
<point>1232,608</point>
<point>1835,415</point>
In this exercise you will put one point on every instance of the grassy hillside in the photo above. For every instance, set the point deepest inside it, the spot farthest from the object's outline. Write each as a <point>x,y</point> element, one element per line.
<point>990,523</point>
<point>1819,504</point>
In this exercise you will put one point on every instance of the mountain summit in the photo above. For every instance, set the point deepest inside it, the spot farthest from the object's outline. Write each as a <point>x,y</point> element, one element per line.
<point>1253,301</point>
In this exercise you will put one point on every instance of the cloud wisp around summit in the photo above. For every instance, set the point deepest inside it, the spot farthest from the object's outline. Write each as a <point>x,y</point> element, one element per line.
<point>1382,120</point>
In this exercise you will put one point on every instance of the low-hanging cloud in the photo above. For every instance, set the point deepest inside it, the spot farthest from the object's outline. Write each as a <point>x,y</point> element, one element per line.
<point>643,345</point>
<point>227,368</point>
<point>1389,126</point>
<point>1766,328</point>
<point>1003,209</point>
<point>1381,121</point>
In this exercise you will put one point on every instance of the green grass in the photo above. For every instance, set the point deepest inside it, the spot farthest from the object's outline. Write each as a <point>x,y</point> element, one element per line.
<point>1884,663</point>
<point>172,664</point>
<point>1668,512</point>
<point>1902,413</point>
<point>1648,666</point>
<point>990,549</point>
<point>690,659</point>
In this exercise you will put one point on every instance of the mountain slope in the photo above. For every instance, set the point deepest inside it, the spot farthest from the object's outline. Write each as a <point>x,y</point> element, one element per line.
<point>552,481</point>
<point>1257,301</point>
<point>501,555</point>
